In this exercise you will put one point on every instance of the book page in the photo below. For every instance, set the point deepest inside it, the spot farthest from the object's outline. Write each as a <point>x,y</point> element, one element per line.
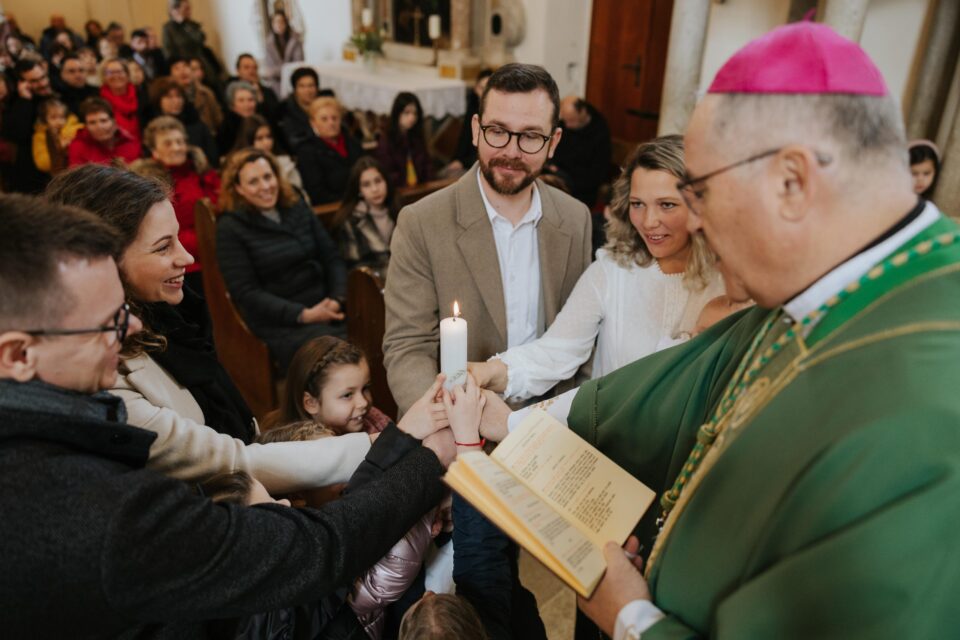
<point>522,515</point>
<point>574,478</point>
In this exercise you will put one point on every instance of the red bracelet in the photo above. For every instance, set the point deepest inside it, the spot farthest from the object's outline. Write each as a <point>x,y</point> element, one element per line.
<point>482,442</point>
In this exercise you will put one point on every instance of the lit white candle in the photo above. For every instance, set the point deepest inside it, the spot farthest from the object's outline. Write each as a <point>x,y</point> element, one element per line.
<point>366,18</point>
<point>433,26</point>
<point>453,348</point>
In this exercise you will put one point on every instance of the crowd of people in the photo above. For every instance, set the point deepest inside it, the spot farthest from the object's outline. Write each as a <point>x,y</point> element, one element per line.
<point>144,498</point>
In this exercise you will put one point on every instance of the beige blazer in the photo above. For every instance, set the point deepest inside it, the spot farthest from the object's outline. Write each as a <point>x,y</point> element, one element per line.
<point>443,250</point>
<point>189,450</point>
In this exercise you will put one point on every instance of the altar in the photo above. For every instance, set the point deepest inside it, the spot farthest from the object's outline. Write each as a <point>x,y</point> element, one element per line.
<point>361,87</point>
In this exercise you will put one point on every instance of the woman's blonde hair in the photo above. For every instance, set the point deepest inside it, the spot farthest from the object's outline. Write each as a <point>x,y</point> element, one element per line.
<point>230,200</point>
<point>624,243</point>
<point>324,102</point>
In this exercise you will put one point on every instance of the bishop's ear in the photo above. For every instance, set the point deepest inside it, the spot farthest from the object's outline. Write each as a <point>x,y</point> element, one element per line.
<point>795,166</point>
<point>18,358</point>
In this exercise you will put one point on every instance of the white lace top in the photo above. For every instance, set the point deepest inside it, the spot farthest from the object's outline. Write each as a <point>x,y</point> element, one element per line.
<point>628,312</point>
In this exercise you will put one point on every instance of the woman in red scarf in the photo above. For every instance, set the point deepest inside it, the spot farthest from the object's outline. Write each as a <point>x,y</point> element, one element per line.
<point>122,95</point>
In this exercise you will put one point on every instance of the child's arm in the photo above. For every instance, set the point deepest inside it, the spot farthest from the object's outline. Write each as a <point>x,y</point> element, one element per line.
<point>41,153</point>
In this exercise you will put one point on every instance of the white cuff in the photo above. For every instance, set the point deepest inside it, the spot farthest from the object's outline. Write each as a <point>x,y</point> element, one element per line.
<point>635,618</point>
<point>558,407</point>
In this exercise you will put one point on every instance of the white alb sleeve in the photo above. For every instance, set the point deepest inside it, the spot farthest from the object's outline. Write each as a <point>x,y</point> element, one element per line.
<point>558,407</point>
<point>635,618</point>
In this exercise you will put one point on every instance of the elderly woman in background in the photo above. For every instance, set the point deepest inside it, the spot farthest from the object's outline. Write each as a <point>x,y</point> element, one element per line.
<point>170,379</point>
<point>121,93</point>
<point>644,293</point>
<point>281,268</point>
<point>326,158</point>
<point>241,104</point>
<point>167,98</point>
<point>284,45</point>
<point>186,169</point>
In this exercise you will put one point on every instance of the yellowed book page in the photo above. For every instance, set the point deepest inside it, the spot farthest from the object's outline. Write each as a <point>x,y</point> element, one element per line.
<point>573,477</point>
<point>522,515</point>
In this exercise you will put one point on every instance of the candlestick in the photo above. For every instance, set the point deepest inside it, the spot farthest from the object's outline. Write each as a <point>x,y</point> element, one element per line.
<point>433,26</point>
<point>453,348</point>
<point>366,18</point>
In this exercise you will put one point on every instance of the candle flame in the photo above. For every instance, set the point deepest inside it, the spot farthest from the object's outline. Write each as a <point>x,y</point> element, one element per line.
<point>456,309</point>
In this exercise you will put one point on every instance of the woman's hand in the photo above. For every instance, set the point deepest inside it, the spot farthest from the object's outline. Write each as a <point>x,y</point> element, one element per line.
<point>327,310</point>
<point>491,374</point>
<point>464,407</point>
<point>419,420</point>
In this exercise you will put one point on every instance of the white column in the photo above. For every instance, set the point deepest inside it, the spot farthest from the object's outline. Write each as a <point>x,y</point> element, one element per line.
<point>846,17</point>
<point>688,34</point>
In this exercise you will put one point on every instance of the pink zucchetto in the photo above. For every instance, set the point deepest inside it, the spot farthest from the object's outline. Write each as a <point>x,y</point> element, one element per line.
<point>803,57</point>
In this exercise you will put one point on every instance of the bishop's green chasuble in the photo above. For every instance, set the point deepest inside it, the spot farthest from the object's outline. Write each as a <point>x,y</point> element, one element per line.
<point>829,504</point>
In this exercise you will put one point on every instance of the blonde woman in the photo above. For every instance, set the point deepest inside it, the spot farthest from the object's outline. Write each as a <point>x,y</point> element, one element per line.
<point>644,293</point>
<point>326,158</point>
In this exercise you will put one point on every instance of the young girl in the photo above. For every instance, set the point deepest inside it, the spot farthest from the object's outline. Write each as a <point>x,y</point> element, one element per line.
<point>365,222</point>
<point>925,167</point>
<point>53,133</point>
<point>403,148</point>
<point>329,382</point>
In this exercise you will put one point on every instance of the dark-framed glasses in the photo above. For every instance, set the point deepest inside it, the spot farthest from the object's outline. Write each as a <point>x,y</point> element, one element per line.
<point>120,326</point>
<point>528,141</point>
<point>693,197</point>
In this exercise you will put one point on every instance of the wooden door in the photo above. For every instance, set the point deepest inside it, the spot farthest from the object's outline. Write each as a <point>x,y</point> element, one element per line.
<point>628,54</point>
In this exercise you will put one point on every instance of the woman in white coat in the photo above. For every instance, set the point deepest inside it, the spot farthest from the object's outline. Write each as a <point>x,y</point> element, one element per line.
<point>170,379</point>
<point>643,293</point>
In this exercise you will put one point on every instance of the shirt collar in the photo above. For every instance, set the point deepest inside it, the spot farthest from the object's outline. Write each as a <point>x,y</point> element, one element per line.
<point>814,296</point>
<point>533,214</point>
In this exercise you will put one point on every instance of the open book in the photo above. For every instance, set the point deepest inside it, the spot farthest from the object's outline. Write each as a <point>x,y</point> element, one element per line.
<point>557,496</point>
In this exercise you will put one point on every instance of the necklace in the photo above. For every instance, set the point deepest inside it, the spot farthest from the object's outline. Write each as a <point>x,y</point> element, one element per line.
<point>743,377</point>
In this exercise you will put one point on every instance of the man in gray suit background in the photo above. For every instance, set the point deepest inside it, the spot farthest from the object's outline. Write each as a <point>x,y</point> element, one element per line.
<point>506,246</point>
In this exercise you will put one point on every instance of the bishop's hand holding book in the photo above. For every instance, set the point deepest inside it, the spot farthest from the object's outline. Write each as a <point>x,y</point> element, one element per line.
<point>545,487</point>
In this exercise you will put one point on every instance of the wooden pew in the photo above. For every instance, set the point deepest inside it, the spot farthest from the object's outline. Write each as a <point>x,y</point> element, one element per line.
<point>326,213</point>
<point>365,325</point>
<point>244,356</point>
<point>409,195</point>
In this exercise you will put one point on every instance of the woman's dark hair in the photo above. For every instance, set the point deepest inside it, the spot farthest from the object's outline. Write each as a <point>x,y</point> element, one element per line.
<point>921,152</point>
<point>308,372</point>
<point>351,195</point>
<point>160,88</point>
<point>404,99</point>
<point>301,72</point>
<point>248,132</point>
<point>440,617</point>
<point>123,199</point>
<point>232,487</point>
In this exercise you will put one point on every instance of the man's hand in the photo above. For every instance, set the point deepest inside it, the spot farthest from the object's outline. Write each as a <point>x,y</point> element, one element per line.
<point>419,420</point>
<point>327,310</point>
<point>621,584</point>
<point>491,374</point>
<point>442,444</point>
<point>493,422</point>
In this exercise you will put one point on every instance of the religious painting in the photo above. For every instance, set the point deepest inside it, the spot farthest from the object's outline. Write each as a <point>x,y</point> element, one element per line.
<point>410,20</point>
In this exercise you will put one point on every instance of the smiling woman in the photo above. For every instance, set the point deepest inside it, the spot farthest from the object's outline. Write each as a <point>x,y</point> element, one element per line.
<point>170,379</point>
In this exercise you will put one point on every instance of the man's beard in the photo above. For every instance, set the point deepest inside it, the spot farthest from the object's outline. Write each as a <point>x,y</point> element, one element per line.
<point>506,188</point>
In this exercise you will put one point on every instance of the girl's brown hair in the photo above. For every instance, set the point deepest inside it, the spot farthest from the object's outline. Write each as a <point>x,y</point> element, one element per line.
<point>230,200</point>
<point>624,243</point>
<point>309,370</point>
<point>440,617</point>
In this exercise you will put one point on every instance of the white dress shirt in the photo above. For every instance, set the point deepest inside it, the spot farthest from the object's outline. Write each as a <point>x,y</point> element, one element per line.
<point>518,251</point>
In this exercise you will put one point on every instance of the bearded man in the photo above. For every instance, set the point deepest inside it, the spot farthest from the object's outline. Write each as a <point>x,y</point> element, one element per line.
<point>503,244</point>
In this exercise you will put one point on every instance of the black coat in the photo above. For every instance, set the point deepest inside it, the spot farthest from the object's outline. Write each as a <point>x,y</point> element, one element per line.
<point>324,171</point>
<point>294,123</point>
<point>98,545</point>
<point>275,271</point>
<point>583,157</point>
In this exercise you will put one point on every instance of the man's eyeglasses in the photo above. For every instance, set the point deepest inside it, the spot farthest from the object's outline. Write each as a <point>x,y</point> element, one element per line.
<point>693,197</point>
<point>528,141</point>
<point>120,326</point>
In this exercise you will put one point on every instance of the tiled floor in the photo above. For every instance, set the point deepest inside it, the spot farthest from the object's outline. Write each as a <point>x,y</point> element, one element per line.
<point>556,601</point>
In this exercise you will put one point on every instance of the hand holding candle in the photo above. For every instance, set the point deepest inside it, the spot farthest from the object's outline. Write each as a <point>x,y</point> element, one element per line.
<point>453,349</point>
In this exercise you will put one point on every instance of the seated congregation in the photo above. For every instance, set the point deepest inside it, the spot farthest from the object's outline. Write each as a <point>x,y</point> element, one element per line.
<point>174,224</point>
